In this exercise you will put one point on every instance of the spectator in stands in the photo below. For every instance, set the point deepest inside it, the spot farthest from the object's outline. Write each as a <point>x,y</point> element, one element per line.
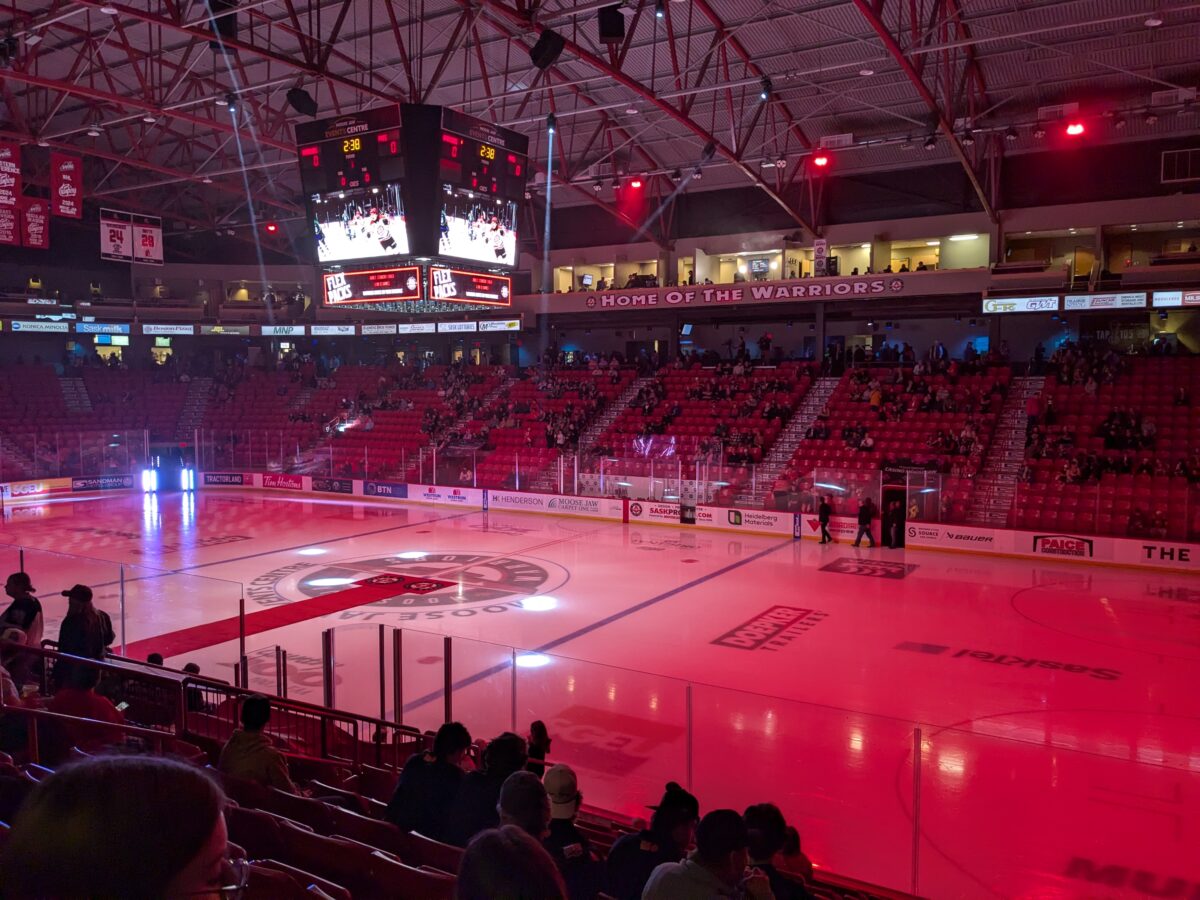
<point>429,783</point>
<point>507,864</point>
<point>121,826</point>
<point>824,513</point>
<point>569,847</point>
<point>766,834</point>
<point>539,747</point>
<point>523,802</point>
<point>866,512</point>
<point>716,868</point>
<point>249,754</point>
<point>25,611</point>
<point>85,631</point>
<point>474,808</point>
<point>155,659</point>
<point>1182,397</point>
<point>79,698</point>
<point>635,856</point>
<point>9,692</point>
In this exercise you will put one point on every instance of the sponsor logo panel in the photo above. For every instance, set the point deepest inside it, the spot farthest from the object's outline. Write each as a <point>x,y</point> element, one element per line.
<point>226,479</point>
<point>394,489</point>
<point>102,483</point>
<point>284,482</point>
<point>40,487</point>
<point>333,485</point>
<point>451,496</point>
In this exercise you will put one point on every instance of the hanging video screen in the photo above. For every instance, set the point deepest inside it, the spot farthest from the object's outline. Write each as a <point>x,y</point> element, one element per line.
<point>364,224</point>
<point>478,228</point>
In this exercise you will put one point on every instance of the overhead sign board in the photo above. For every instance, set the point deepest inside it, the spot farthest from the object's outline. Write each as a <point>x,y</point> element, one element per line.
<point>1020,304</point>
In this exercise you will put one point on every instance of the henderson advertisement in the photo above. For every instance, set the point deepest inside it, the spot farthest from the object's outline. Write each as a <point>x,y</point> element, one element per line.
<point>558,505</point>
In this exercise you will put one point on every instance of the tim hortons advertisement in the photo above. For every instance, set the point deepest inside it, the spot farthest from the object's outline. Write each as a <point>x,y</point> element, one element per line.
<point>66,185</point>
<point>559,505</point>
<point>42,487</point>
<point>450,496</point>
<point>283,482</point>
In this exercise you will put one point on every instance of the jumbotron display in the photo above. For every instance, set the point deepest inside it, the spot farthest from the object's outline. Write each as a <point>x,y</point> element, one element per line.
<point>398,187</point>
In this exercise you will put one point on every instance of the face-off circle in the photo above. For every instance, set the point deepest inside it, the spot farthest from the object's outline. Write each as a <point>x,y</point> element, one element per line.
<point>432,583</point>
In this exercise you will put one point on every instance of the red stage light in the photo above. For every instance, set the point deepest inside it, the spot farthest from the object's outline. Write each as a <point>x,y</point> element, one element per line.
<point>1075,129</point>
<point>636,183</point>
<point>271,227</point>
<point>820,160</point>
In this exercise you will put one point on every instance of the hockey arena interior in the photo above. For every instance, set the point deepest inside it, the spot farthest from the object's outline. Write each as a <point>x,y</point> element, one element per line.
<point>631,450</point>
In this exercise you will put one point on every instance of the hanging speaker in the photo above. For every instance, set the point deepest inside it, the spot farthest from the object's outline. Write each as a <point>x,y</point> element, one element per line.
<point>612,25</point>
<point>302,101</point>
<point>547,49</point>
<point>222,22</point>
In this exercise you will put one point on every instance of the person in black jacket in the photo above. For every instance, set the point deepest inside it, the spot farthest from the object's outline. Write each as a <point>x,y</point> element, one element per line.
<point>766,830</point>
<point>429,783</point>
<point>85,631</point>
<point>569,846</point>
<point>634,856</point>
<point>824,513</point>
<point>474,807</point>
<point>866,512</point>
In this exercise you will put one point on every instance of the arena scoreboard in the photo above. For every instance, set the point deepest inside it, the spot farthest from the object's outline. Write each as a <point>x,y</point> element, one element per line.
<point>350,152</point>
<point>412,204</point>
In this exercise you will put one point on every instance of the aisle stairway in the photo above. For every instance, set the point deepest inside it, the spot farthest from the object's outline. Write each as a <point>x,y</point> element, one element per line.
<point>610,414</point>
<point>996,484</point>
<point>75,395</point>
<point>194,407</point>
<point>789,439</point>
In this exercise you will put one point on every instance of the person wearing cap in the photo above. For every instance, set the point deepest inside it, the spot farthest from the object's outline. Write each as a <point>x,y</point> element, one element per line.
<point>634,856</point>
<point>22,622</point>
<point>523,802</point>
<point>570,848</point>
<point>85,631</point>
<point>715,869</point>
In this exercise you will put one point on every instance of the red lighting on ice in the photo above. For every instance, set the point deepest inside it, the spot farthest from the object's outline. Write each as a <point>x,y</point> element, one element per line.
<point>820,160</point>
<point>1075,129</point>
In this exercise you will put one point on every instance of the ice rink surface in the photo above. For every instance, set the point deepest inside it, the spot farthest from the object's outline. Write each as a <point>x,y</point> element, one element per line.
<point>1053,707</point>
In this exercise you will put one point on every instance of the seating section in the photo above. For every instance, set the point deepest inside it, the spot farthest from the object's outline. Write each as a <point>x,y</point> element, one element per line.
<point>520,432</point>
<point>332,836</point>
<point>125,399</point>
<point>941,422</point>
<point>1127,484</point>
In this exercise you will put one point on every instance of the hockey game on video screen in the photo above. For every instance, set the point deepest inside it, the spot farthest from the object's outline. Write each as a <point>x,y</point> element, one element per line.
<point>362,224</point>
<point>479,228</point>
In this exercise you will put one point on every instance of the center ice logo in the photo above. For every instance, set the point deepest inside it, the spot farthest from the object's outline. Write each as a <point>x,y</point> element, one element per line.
<point>434,586</point>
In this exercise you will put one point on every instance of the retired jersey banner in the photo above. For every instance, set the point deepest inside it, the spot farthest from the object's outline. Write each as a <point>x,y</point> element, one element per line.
<point>10,227</point>
<point>116,235</point>
<point>66,185</point>
<point>147,240</point>
<point>35,224</point>
<point>10,175</point>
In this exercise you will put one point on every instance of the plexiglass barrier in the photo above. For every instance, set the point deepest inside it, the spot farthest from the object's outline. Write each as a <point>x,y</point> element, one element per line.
<point>1006,806</point>
<point>66,454</point>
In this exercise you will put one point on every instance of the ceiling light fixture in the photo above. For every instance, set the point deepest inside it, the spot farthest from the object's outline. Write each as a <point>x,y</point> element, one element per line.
<point>1151,118</point>
<point>765,89</point>
<point>33,39</point>
<point>109,10</point>
<point>1119,123</point>
<point>1074,129</point>
<point>1039,131</point>
<point>866,73</point>
<point>1010,134</point>
<point>1153,20</point>
<point>968,138</point>
<point>149,118</point>
<point>93,131</point>
<point>931,142</point>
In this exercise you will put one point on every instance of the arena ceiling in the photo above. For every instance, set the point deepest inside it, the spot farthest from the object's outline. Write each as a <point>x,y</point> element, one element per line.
<point>137,87</point>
